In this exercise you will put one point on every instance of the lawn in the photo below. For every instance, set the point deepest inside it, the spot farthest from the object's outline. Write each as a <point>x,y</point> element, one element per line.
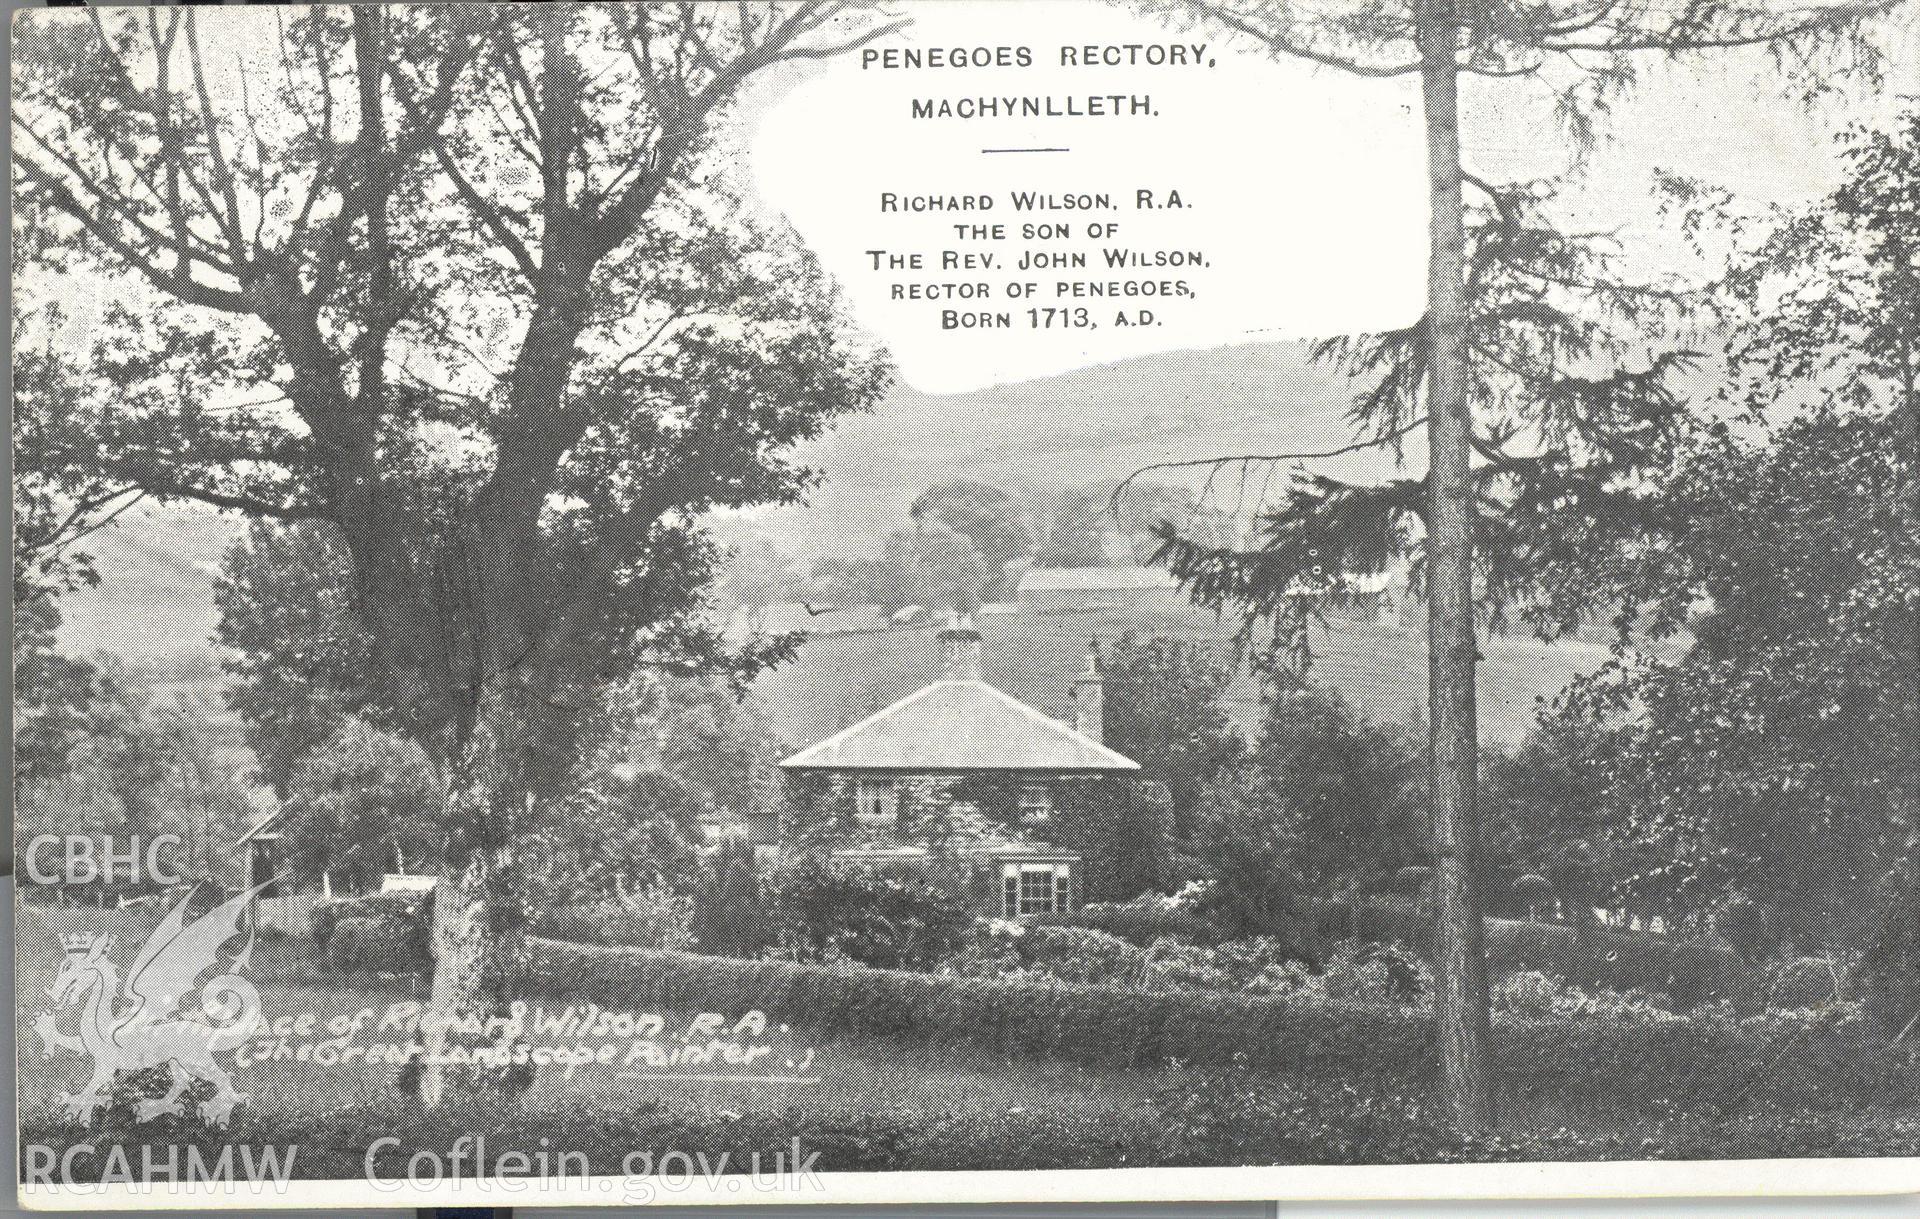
<point>850,1084</point>
<point>873,1103</point>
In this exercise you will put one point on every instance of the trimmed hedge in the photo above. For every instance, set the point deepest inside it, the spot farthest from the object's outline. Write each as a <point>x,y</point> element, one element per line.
<point>1685,1060</point>
<point>1689,972</point>
<point>415,909</point>
<point>1140,925</point>
<point>375,945</point>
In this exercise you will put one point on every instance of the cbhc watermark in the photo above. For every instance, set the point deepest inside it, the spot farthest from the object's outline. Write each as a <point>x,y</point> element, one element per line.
<point>83,859</point>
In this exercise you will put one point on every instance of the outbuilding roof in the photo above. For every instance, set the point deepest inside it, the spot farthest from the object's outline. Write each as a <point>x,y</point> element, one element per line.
<point>960,725</point>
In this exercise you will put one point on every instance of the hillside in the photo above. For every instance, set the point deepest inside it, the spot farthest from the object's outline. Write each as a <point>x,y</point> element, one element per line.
<point>1089,425</point>
<point>1095,424</point>
<point>155,597</point>
<point>158,568</point>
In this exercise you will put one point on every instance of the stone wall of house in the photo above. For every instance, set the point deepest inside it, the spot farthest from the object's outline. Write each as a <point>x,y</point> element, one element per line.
<point>823,808</point>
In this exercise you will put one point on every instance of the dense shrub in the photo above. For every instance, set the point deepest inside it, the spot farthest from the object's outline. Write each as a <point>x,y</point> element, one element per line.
<point>1749,928</point>
<point>414,910</point>
<point>1696,1059</point>
<point>1531,995</point>
<point>824,911</point>
<point>145,1087</point>
<point>1803,982</point>
<point>1081,954</point>
<point>1212,1117</point>
<point>1140,924</point>
<point>1688,971</point>
<point>1043,952</point>
<point>375,945</point>
<point>1364,972</point>
<point>651,917</point>
<point>1890,968</point>
<point>1253,967</point>
<point>1229,1116</point>
<point>1218,1116</point>
<point>729,903</point>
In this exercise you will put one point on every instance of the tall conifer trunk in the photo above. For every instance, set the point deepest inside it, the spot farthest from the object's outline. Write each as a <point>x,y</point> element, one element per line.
<point>1460,970</point>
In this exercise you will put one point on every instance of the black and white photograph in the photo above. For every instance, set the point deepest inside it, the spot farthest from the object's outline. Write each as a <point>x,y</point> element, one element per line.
<point>934,601</point>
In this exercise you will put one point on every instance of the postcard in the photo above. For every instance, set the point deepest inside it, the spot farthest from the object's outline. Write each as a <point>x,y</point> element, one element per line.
<point>829,601</point>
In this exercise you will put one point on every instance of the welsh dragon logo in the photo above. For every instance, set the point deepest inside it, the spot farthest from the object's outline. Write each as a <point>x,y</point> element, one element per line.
<point>136,1025</point>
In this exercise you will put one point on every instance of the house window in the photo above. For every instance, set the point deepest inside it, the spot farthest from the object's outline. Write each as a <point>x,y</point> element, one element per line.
<point>1034,889</point>
<point>1036,805</point>
<point>878,804</point>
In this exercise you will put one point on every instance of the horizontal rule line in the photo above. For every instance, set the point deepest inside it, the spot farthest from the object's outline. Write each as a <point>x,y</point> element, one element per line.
<point>720,1079</point>
<point>988,150</point>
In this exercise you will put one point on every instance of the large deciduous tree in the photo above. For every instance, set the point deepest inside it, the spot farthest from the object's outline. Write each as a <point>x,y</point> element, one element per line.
<point>463,283</point>
<point>986,516</point>
<point>1589,52</point>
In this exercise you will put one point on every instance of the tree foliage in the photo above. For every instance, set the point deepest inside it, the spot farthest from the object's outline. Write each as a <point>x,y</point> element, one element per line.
<point>760,575</point>
<point>712,740</point>
<point>1099,525</point>
<point>1547,459</point>
<point>1350,792</point>
<point>931,566</point>
<point>461,284</point>
<point>53,694</point>
<point>300,660</point>
<point>139,763</point>
<point>365,804</point>
<point>1246,849</point>
<point>621,832</point>
<point>1770,759</point>
<point>60,497</point>
<point>1776,758</point>
<point>986,516</point>
<point>1570,418</point>
<point>1165,708</point>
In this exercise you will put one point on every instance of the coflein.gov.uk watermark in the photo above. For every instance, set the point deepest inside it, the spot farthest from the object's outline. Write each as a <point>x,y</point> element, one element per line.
<point>644,1175</point>
<point>470,1164</point>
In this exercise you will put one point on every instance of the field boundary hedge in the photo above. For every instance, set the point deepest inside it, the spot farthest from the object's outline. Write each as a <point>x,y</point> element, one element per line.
<point>1680,1059</point>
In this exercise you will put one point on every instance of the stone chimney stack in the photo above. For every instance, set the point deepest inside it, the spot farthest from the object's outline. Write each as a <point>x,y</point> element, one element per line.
<point>959,649</point>
<point>1090,697</point>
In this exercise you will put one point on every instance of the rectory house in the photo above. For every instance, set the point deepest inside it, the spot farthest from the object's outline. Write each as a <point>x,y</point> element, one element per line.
<point>962,776</point>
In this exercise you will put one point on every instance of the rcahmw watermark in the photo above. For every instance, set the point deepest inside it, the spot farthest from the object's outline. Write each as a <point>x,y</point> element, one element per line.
<point>148,1168</point>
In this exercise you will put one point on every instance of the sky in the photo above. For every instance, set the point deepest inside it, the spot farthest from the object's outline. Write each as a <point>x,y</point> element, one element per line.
<point>1307,184</point>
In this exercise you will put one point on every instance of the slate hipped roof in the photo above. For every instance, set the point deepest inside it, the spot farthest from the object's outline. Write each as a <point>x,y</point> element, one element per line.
<point>960,725</point>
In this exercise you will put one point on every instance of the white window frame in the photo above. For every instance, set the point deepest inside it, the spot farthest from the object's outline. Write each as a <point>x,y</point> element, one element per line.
<point>877,800</point>
<point>1019,885</point>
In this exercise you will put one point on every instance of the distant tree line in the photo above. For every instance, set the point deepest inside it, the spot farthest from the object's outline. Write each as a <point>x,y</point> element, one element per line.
<point>967,543</point>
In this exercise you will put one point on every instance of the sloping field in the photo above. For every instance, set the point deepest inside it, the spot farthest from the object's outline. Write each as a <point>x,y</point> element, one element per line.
<point>838,679</point>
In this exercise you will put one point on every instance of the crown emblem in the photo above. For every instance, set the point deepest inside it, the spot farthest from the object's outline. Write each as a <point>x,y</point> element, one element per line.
<point>77,941</point>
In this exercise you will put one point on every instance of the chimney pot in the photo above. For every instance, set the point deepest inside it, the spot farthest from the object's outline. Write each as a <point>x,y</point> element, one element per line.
<point>959,649</point>
<point>1089,698</point>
